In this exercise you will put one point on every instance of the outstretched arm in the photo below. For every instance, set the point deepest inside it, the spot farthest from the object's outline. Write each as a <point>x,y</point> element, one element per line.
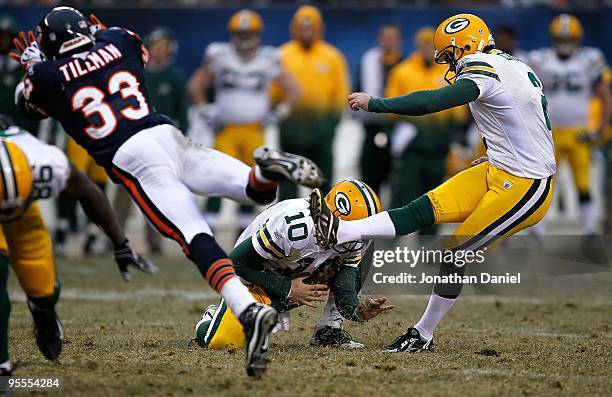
<point>419,102</point>
<point>345,288</point>
<point>94,203</point>
<point>98,209</point>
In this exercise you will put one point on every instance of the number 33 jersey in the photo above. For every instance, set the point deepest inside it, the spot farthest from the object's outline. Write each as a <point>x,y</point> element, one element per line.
<point>284,234</point>
<point>50,166</point>
<point>511,114</point>
<point>98,96</point>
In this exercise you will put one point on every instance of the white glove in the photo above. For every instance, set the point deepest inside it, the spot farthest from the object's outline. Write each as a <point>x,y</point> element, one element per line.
<point>31,55</point>
<point>278,114</point>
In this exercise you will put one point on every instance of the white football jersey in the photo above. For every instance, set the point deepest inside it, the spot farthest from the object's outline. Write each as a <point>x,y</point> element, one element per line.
<point>568,84</point>
<point>242,87</point>
<point>284,234</point>
<point>50,166</point>
<point>511,114</point>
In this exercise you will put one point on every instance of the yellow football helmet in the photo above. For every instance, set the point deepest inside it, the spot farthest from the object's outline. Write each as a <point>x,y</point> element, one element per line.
<point>458,36</point>
<point>16,182</point>
<point>245,21</point>
<point>565,27</point>
<point>566,33</point>
<point>352,199</point>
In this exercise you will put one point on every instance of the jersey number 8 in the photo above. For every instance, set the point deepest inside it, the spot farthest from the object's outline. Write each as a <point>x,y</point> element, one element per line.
<point>90,100</point>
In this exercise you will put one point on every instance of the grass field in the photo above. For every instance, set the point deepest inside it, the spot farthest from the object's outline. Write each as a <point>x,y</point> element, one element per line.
<point>131,339</point>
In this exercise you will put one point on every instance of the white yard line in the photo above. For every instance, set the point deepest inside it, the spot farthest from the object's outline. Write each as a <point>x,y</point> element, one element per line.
<point>139,294</point>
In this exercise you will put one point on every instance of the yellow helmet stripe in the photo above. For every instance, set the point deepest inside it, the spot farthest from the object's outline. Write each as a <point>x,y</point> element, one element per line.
<point>367,196</point>
<point>8,173</point>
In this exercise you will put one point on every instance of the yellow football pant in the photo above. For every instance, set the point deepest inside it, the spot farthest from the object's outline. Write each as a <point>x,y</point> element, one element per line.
<point>578,155</point>
<point>84,162</point>
<point>240,140</point>
<point>491,205</point>
<point>28,245</point>
<point>225,331</point>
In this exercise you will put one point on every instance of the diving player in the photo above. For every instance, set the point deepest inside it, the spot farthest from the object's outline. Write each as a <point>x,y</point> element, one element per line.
<point>571,76</point>
<point>278,257</point>
<point>91,79</point>
<point>496,197</point>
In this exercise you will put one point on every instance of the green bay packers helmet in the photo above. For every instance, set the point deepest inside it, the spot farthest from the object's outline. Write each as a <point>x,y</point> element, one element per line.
<point>16,182</point>
<point>352,199</point>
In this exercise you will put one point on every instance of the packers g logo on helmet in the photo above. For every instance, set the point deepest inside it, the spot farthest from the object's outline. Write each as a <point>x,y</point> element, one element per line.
<point>16,182</point>
<point>343,204</point>
<point>456,25</point>
<point>352,199</point>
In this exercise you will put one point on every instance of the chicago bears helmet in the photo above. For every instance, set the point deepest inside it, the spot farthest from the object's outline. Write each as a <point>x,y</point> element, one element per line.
<point>63,31</point>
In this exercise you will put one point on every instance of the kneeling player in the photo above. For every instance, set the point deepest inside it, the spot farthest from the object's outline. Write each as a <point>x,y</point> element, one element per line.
<point>277,256</point>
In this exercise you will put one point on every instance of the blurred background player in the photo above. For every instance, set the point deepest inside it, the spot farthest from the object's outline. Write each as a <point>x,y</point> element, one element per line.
<point>322,74</point>
<point>506,40</point>
<point>421,144</point>
<point>166,85</point>
<point>10,75</point>
<point>374,68</point>
<point>241,71</point>
<point>572,75</point>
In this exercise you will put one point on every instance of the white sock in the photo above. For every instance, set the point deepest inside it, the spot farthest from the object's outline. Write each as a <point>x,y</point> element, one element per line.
<point>435,312</point>
<point>375,226</point>
<point>331,316</point>
<point>259,176</point>
<point>588,217</point>
<point>6,365</point>
<point>236,296</point>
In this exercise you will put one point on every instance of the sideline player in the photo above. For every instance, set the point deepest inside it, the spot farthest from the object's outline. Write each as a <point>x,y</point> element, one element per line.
<point>241,72</point>
<point>278,257</point>
<point>494,199</point>
<point>90,78</point>
<point>571,76</point>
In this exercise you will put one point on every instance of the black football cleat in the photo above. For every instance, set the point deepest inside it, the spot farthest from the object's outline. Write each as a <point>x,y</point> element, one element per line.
<point>279,165</point>
<point>326,224</point>
<point>258,321</point>
<point>334,337</point>
<point>410,342</point>
<point>48,330</point>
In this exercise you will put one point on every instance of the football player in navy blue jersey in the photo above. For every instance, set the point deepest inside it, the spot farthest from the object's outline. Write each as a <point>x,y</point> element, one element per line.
<point>90,78</point>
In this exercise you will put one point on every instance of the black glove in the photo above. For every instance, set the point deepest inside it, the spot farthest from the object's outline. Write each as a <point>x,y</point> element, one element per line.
<point>125,256</point>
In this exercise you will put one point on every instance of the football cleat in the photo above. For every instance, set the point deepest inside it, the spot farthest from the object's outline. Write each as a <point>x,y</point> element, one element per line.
<point>326,224</point>
<point>48,330</point>
<point>334,337</point>
<point>278,165</point>
<point>410,342</point>
<point>258,321</point>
